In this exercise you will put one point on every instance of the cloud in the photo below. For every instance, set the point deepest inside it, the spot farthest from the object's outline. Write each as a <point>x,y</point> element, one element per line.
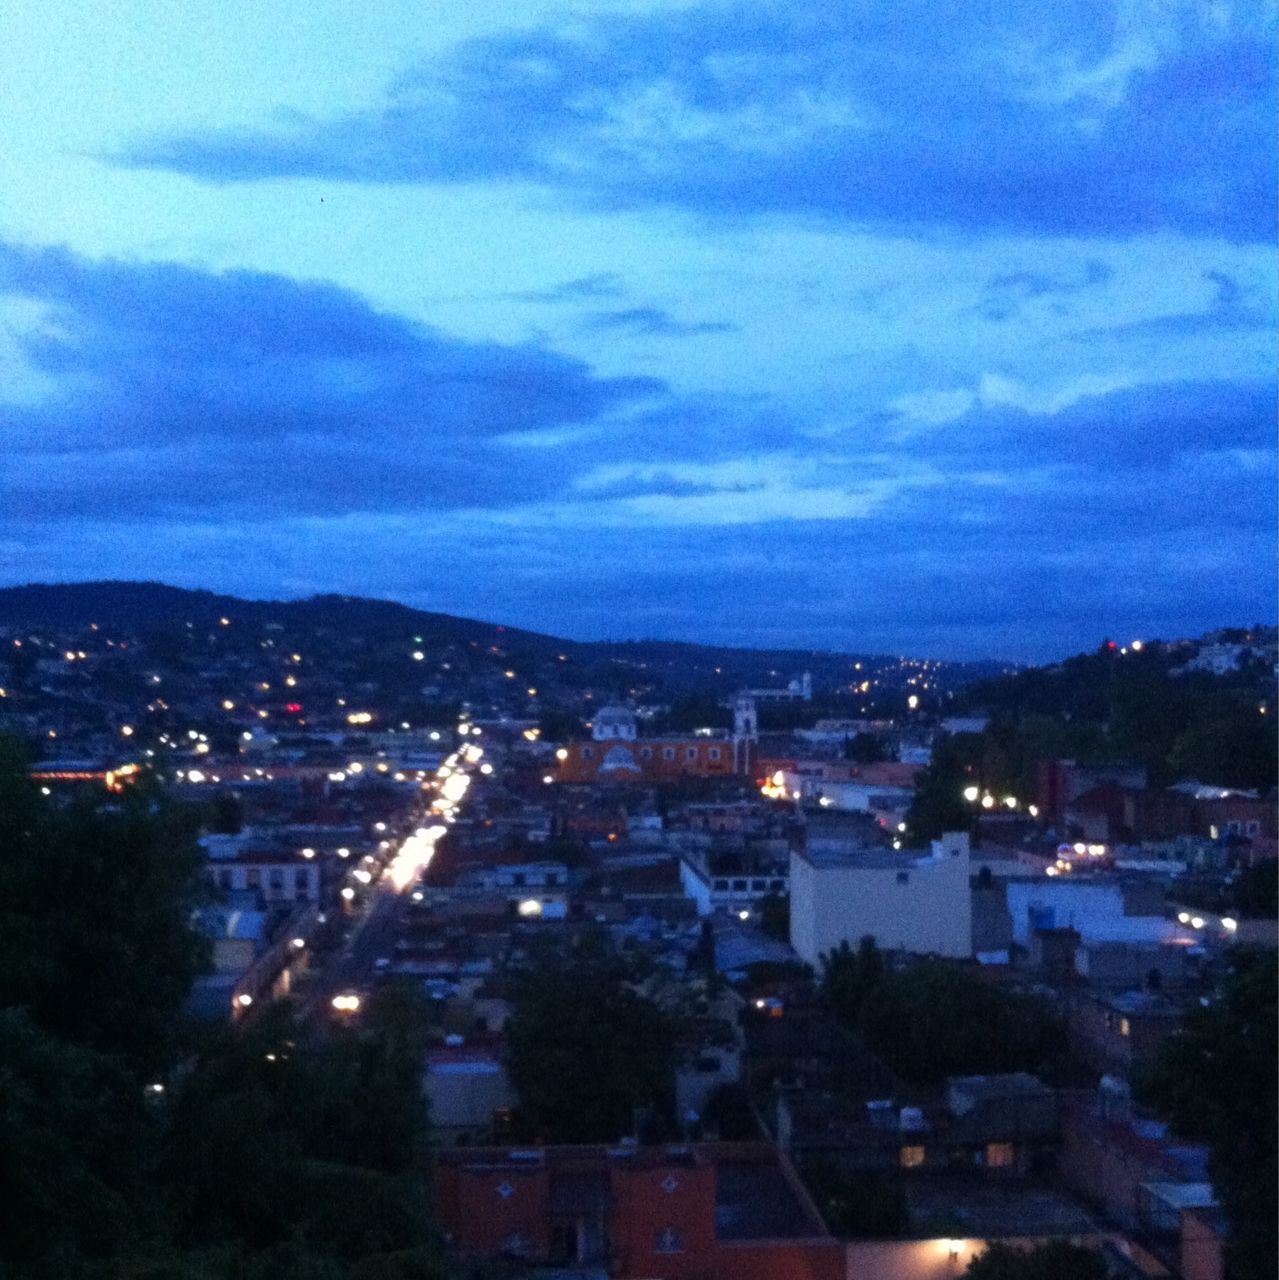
<point>178,390</point>
<point>652,322</point>
<point>1064,119</point>
<point>605,284</point>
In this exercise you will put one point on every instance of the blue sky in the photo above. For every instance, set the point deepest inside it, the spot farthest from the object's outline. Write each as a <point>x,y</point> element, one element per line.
<point>943,329</point>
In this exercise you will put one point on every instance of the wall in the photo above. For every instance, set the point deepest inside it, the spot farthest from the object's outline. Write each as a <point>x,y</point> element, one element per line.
<point>1094,910</point>
<point>923,907</point>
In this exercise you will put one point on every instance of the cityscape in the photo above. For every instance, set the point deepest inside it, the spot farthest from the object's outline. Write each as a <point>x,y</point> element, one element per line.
<point>616,965</point>
<point>639,640</point>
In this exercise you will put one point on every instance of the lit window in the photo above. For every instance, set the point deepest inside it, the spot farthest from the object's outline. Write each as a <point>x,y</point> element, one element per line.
<point>1125,1027</point>
<point>999,1155</point>
<point>911,1157</point>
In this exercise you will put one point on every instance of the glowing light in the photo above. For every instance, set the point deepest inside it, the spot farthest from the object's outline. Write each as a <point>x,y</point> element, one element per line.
<point>971,794</point>
<point>348,893</point>
<point>743,914</point>
<point>346,1003</point>
<point>1010,801</point>
<point>1228,924</point>
<point>1183,917</point>
<point>561,754</point>
<point>359,717</point>
<point>1033,810</point>
<point>913,701</point>
<point>486,769</point>
<point>414,857</point>
<point>195,775</point>
<point>530,907</point>
<point>988,801</point>
<point>202,748</point>
<point>362,876</point>
<point>547,779</point>
<point>244,1000</point>
<point>1136,646</point>
<point>418,655</point>
<point>297,943</point>
<point>355,767</point>
<point>344,852</point>
<point>126,730</point>
<point>1080,847</point>
<point>1196,922</point>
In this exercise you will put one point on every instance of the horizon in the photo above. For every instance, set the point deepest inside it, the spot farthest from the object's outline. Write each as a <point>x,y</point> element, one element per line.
<point>702,642</point>
<point>795,326</point>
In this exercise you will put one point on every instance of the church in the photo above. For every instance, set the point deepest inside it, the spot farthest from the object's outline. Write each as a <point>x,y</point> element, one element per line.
<point>616,752</point>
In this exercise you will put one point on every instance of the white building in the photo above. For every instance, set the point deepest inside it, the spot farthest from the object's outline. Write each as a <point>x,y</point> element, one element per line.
<point>614,723</point>
<point>918,904</point>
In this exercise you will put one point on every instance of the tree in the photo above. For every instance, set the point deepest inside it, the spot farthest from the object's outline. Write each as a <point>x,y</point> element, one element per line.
<point>1215,1084</point>
<point>849,977</point>
<point>585,1051</point>
<point>1053,1260</point>
<point>96,903</point>
<point>867,748</point>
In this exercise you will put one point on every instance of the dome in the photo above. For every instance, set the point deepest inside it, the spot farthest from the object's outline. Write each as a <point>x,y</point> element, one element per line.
<point>613,721</point>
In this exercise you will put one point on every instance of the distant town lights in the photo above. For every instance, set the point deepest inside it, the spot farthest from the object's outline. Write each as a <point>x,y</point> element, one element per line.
<point>913,701</point>
<point>988,801</point>
<point>971,794</point>
<point>1228,924</point>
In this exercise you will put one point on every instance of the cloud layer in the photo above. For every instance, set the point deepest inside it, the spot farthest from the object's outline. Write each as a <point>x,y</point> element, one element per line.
<point>1072,118</point>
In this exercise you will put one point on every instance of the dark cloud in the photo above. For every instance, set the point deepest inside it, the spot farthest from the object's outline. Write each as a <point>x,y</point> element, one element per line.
<point>1005,295</point>
<point>181,390</point>
<point>604,284</point>
<point>879,113</point>
<point>652,321</point>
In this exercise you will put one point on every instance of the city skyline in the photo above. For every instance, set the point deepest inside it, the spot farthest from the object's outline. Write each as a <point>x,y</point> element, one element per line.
<point>747,324</point>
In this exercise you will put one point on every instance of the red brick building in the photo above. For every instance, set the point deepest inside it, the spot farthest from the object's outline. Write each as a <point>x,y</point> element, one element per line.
<point>714,1211</point>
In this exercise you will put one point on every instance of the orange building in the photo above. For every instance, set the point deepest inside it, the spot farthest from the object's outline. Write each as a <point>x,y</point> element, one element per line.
<point>616,753</point>
<point>714,1211</point>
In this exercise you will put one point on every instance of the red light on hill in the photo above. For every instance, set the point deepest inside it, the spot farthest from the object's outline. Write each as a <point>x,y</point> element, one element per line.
<point>293,707</point>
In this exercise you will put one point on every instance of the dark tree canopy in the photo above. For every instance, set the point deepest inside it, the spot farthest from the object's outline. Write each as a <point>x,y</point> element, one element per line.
<point>1053,1260</point>
<point>586,1052</point>
<point>1215,1082</point>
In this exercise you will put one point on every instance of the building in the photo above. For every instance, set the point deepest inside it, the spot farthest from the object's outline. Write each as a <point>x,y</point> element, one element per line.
<point>616,753</point>
<point>918,904</point>
<point>710,1211</point>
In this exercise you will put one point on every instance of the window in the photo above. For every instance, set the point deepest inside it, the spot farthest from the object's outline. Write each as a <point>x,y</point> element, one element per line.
<point>999,1155</point>
<point>668,1240</point>
<point>517,878</point>
<point>301,881</point>
<point>903,877</point>
<point>739,886</point>
<point>552,879</point>
<point>1252,827</point>
<point>277,877</point>
<point>778,886</point>
<point>1125,1027</point>
<point>668,753</point>
<point>690,753</point>
<point>713,753</point>
<point>707,1065</point>
<point>224,878</point>
<point>588,753</point>
<point>721,886</point>
<point>758,886</point>
<point>911,1157</point>
<point>254,877</point>
<point>646,753</point>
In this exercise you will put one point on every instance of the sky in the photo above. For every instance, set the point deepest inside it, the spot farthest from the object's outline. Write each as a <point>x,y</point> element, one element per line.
<point>945,329</point>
